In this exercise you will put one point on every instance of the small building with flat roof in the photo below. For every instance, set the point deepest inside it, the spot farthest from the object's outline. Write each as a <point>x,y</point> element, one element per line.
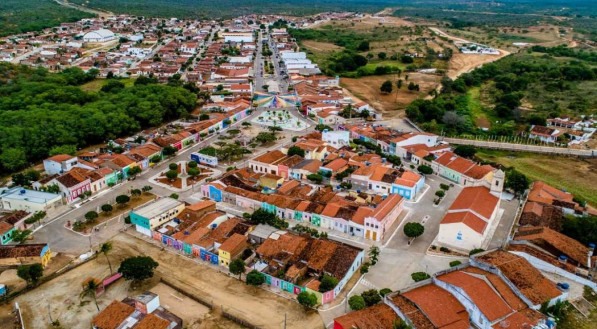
<point>154,214</point>
<point>19,198</point>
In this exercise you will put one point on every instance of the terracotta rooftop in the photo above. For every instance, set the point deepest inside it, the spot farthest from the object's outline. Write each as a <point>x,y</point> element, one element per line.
<point>60,157</point>
<point>151,321</point>
<point>113,315</point>
<point>234,244</point>
<point>543,193</point>
<point>555,241</point>
<point>21,250</point>
<point>477,199</point>
<point>71,179</point>
<point>5,227</point>
<point>412,312</point>
<point>270,157</point>
<point>481,293</point>
<point>440,307</point>
<point>374,317</point>
<point>531,283</point>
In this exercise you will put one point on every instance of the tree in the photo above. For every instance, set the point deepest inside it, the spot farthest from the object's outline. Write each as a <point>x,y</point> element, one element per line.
<point>107,208</point>
<point>386,87</point>
<point>466,151</point>
<point>13,159</point>
<point>399,84</point>
<point>328,283</point>
<point>426,170</point>
<point>169,151</point>
<point>30,273</point>
<point>146,188</point>
<point>295,150</point>
<point>171,175</point>
<point>136,193</point>
<point>20,236</point>
<point>413,230</point>
<point>193,172</point>
<point>356,303</point>
<point>373,254</point>
<point>192,164</point>
<point>91,216</point>
<point>122,199</point>
<point>137,268</point>
<point>203,117</point>
<point>173,166</point>
<point>90,289</point>
<point>382,55</point>
<point>406,59</point>
<point>237,267</point>
<point>371,297</point>
<point>315,178</point>
<point>36,217</point>
<point>516,181</point>
<point>307,299</point>
<point>105,248</point>
<point>134,171</point>
<point>63,149</point>
<point>383,292</point>
<point>274,129</point>
<point>173,196</point>
<point>265,137</point>
<point>255,278</point>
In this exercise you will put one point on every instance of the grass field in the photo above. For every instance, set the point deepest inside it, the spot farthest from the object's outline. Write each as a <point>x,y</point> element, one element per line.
<point>577,176</point>
<point>97,84</point>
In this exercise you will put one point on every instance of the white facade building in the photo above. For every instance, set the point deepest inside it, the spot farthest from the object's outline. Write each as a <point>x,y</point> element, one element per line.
<point>99,36</point>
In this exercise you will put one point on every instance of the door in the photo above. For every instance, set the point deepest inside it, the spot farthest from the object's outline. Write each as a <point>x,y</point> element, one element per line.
<point>374,236</point>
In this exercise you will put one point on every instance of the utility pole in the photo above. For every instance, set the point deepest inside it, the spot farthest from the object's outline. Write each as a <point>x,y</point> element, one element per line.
<point>284,320</point>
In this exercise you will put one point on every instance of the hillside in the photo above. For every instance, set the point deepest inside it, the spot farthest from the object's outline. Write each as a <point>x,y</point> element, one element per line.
<point>17,16</point>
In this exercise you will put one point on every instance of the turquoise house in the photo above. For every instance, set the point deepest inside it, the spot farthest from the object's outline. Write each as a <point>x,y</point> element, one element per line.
<point>6,232</point>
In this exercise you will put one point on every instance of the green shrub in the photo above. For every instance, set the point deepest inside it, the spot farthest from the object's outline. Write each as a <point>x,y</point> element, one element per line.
<point>419,276</point>
<point>440,193</point>
<point>444,187</point>
<point>455,263</point>
<point>444,249</point>
<point>476,251</point>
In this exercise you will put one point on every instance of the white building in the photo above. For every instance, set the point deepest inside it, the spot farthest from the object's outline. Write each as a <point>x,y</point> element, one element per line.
<point>18,198</point>
<point>293,55</point>
<point>237,36</point>
<point>336,139</point>
<point>99,36</point>
<point>60,163</point>
<point>470,219</point>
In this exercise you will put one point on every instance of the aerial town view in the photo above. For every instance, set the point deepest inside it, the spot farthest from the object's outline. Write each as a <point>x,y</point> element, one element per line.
<point>196,164</point>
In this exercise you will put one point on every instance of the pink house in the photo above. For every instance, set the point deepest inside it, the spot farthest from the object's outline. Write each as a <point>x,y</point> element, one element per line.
<point>73,184</point>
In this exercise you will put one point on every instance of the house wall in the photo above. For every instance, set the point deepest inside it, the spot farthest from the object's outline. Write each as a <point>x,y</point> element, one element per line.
<point>29,206</point>
<point>459,236</point>
<point>356,264</point>
<point>6,238</point>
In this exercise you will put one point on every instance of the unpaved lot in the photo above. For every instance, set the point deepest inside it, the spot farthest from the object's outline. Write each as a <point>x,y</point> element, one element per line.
<point>367,89</point>
<point>254,305</point>
<point>463,63</point>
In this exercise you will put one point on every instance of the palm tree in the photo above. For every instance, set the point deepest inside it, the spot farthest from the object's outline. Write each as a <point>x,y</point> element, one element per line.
<point>90,289</point>
<point>105,248</point>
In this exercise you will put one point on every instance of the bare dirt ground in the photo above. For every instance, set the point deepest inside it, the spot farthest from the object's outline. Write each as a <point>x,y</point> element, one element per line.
<point>322,47</point>
<point>464,63</point>
<point>255,305</point>
<point>367,89</point>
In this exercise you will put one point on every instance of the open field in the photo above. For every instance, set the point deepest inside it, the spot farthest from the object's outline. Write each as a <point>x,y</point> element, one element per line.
<point>62,294</point>
<point>577,176</point>
<point>367,89</point>
<point>97,84</point>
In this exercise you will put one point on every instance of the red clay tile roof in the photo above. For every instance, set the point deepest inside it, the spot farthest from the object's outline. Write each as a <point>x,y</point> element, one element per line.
<point>523,275</point>
<point>113,315</point>
<point>480,292</point>
<point>270,157</point>
<point>5,227</point>
<point>234,244</point>
<point>201,205</point>
<point>151,321</point>
<point>21,250</point>
<point>543,193</point>
<point>467,218</point>
<point>374,317</point>
<point>386,206</point>
<point>440,307</point>
<point>60,157</point>
<point>71,179</point>
<point>554,240</point>
<point>478,199</point>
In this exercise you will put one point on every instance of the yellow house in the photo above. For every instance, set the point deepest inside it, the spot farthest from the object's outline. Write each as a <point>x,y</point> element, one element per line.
<point>25,254</point>
<point>271,181</point>
<point>232,248</point>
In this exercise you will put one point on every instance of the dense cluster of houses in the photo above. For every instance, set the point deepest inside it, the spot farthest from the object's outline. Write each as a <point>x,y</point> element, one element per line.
<point>495,289</point>
<point>289,261</point>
